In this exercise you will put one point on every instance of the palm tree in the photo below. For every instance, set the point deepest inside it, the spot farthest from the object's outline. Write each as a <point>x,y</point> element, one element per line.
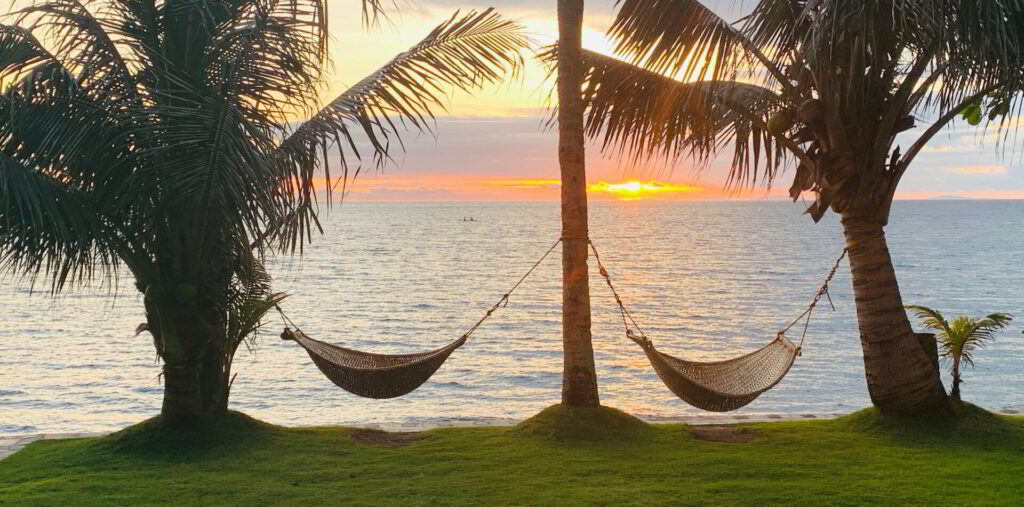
<point>155,136</point>
<point>960,338</point>
<point>579,377</point>
<point>825,86</point>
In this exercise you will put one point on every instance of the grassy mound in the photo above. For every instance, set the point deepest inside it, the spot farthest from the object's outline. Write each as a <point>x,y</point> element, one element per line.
<point>589,424</point>
<point>966,423</point>
<point>199,437</point>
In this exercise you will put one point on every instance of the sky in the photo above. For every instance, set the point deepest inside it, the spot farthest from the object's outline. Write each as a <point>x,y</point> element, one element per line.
<point>493,144</point>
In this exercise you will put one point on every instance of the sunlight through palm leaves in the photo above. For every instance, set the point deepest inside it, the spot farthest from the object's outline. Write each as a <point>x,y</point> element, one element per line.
<point>156,136</point>
<point>825,86</point>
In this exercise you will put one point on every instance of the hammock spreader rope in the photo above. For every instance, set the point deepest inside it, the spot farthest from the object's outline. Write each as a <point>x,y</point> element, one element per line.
<point>722,386</point>
<point>382,376</point>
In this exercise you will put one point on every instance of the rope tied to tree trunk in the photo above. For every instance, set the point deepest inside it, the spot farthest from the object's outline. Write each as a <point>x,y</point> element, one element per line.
<point>723,385</point>
<point>822,292</point>
<point>641,338</point>
<point>627,318</point>
<point>502,302</point>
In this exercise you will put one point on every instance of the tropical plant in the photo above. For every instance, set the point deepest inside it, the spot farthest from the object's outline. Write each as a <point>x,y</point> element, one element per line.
<point>579,375</point>
<point>156,136</point>
<point>824,86</point>
<point>958,340</point>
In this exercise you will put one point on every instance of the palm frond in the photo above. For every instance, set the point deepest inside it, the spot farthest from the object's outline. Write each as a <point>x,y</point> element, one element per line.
<point>82,44</point>
<point>20,52</point>
<point>678,37</point>
<point>45,226</point>
<point>960,338</point>
<point>268,57</point>
<point>262,61</point>
<point>136,26</point>
<point>637,111</point>
<point>778,24</point>
<point>375,10</point>
<point>930,318</point>
<point>463,53</point>
<point>251,299</point>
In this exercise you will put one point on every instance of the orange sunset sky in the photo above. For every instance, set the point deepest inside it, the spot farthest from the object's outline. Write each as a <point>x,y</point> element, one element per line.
<point>493,145</point>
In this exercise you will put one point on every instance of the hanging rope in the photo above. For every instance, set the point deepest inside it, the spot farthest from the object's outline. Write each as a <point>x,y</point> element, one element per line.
<point>639,336</point>
<point>627,318</point>
<point>822,291</point>
<point>502,302</point>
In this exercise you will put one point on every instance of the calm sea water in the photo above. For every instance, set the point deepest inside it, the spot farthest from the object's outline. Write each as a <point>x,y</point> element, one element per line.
<point>708,280</point>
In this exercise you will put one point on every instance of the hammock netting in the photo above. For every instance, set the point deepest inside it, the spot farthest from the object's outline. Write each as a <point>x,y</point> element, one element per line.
<point>369,375</point>
<point>722,386</point>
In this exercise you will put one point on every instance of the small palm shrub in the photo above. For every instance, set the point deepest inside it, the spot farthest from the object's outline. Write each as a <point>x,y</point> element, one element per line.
<point>960,338</point>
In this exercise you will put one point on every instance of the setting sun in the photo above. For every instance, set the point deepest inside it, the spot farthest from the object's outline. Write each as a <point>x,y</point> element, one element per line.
<point>633,189</point>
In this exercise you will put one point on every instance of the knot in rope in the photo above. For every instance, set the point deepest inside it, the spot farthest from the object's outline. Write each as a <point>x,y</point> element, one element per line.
<point>504,300</point>
<point>822,291</point>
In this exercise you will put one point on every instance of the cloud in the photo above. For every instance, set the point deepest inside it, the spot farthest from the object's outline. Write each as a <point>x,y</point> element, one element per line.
<point>979,169</point>
<point>949,148</point>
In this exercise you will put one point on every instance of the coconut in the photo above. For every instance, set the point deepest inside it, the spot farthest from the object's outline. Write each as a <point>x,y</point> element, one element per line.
<point>154,293</point>
<point>780,122</point>
<point>812,111</point>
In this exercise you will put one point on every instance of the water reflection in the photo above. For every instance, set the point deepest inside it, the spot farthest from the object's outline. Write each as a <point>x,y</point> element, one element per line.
<point>707,280</point>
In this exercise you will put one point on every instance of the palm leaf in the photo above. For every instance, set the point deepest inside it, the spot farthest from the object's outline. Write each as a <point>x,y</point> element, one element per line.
<point>20,51</point>
<point>960,338</point>
<point>80,42</point>
<point>252,297</point>
<point>931,318</point>
<point>639,111</point>
<point>46,226</point>
<point>678,37</point>
<point>462,53</point>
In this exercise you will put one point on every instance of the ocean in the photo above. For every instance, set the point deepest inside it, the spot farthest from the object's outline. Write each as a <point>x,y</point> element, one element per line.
<point>706,279</point>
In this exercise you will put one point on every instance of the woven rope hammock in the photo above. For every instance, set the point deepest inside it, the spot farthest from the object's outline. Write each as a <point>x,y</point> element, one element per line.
<point>377,376</point>
<point>382,376</point>
<point>722,386</point>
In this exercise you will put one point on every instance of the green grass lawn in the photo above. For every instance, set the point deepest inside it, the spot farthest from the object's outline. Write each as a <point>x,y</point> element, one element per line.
<point>559,457</point>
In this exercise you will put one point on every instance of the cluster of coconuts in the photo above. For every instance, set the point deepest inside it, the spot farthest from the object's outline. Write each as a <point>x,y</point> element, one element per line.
<point>811,111</point>
<point>182,293</point>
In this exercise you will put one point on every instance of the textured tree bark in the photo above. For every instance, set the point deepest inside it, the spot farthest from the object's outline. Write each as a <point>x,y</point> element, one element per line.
<point>180,334</point>
<point>579,378</point>
<point>182,396</point>
<point>955,394</point>
<point>214,376</point>
<point>902,378</point>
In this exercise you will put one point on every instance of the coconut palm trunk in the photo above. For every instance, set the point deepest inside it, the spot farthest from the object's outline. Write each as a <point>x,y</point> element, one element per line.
<point>901,377</point>
<point>178,332</point>
<point>579,378</point>
<point>955,394</point>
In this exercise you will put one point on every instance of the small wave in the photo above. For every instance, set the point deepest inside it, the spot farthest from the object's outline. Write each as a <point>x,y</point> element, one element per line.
<point>17,429</point>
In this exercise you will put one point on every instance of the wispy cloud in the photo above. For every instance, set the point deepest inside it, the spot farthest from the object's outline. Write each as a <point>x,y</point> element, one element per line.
<point>978,169</point>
